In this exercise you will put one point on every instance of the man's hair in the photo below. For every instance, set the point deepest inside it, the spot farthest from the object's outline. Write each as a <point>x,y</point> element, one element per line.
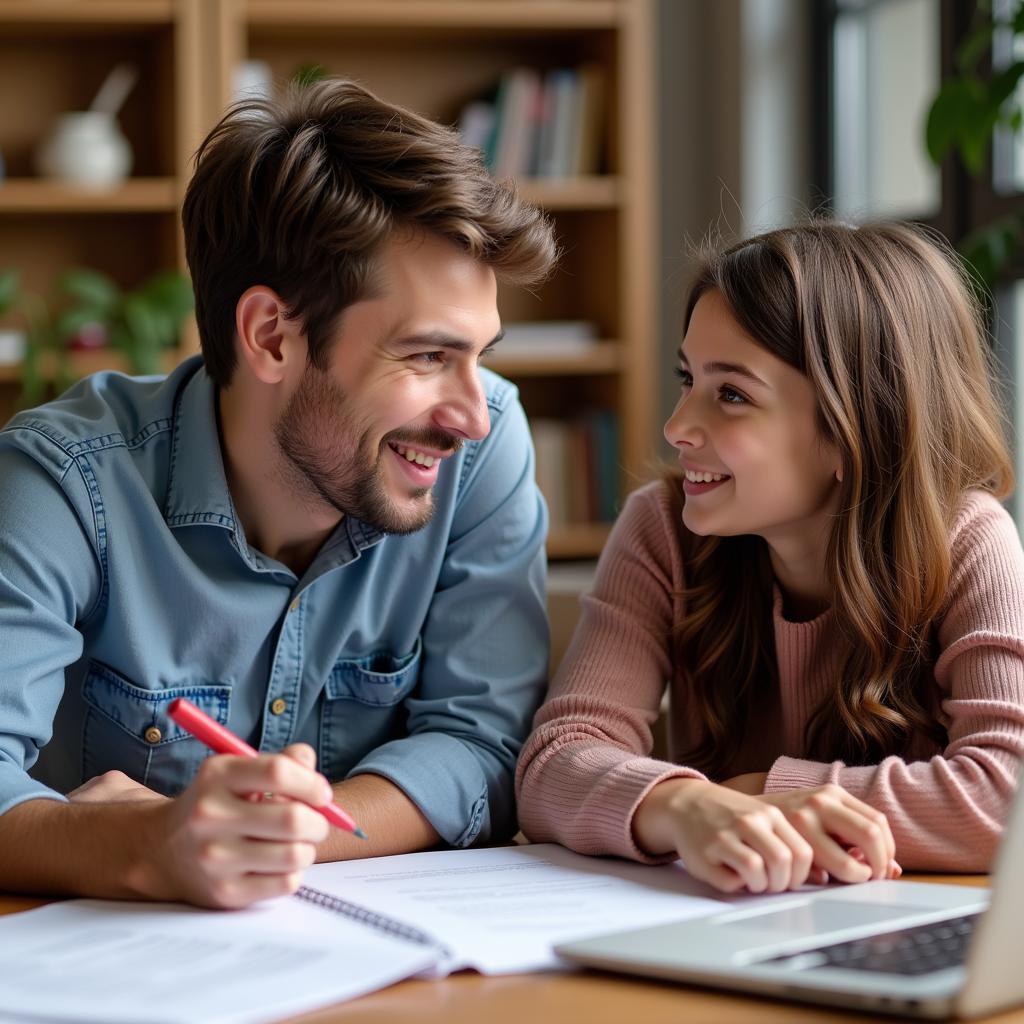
<point>300,195</point>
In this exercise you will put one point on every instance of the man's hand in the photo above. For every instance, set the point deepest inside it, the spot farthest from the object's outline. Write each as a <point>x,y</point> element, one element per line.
<point>217,846</point>
<point>112,787</point>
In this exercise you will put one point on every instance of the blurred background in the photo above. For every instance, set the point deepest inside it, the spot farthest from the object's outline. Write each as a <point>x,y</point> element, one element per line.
<point>642,126</point>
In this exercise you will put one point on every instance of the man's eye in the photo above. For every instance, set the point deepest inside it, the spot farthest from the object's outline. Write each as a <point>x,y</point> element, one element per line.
<point>428,358</point>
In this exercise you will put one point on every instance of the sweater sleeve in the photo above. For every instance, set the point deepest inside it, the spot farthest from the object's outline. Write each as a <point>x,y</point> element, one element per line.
<point>947,813</point>
<point>587,765</point>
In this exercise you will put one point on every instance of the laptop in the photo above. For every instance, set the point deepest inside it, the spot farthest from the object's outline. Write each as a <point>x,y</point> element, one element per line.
<point>910,948</point>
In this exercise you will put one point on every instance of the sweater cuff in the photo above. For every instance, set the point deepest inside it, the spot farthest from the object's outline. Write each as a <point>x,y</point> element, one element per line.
<point>634,780</point>
<point>792,773</point>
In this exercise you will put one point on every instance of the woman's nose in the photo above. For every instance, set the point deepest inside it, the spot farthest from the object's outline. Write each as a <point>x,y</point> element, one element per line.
<point>682,428</point>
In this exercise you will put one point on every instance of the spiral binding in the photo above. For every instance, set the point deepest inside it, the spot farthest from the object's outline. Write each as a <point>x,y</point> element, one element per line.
<point>379,921</point>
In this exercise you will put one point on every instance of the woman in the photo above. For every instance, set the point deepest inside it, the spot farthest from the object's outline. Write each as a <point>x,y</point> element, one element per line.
<point>831,590</point>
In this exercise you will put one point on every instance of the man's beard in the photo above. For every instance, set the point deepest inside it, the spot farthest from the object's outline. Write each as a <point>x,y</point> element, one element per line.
<point>331,462</point>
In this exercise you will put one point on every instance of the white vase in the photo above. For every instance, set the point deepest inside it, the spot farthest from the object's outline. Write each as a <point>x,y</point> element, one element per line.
<point>12,346</point>
<point>86,148</point>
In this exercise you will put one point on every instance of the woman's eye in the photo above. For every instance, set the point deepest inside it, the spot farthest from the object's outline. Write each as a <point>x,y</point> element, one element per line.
<point>684,376</point>
<point>731,396</point>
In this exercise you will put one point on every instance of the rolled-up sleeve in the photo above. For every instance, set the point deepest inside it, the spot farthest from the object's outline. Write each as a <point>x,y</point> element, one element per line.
<point>485,644</point>
<point>50,579</point>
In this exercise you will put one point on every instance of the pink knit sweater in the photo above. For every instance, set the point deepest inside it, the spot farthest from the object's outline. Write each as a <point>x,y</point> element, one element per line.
<point>587,765</point>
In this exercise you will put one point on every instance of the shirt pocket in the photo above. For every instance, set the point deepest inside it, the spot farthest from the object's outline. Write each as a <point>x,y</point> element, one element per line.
<point>362,707</point>
<point>127,728</point>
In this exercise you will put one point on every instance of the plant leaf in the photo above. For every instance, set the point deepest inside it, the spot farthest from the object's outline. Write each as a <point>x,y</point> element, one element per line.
<point>951,117</point>
<point>1004,83</point>
<point>976,43</point>
<point>9,280</point>
<point>144,347</point>
<point>91,287</point>
<point>990,248</point>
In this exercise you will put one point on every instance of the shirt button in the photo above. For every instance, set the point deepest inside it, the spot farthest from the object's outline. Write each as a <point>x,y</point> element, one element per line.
<point>277,708</point>
<point>153,735</point>
<point>294,606</point>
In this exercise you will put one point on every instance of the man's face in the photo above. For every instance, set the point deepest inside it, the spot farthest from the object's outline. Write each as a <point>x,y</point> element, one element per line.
<point>401,392</point>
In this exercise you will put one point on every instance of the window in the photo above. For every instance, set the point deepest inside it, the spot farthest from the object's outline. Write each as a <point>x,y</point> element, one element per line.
<point>885,71</point>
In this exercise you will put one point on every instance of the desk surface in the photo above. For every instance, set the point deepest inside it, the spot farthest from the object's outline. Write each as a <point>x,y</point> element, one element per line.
<point>590,997</point>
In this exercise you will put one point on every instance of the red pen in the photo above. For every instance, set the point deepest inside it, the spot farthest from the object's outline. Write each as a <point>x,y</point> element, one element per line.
<point>222,741</point>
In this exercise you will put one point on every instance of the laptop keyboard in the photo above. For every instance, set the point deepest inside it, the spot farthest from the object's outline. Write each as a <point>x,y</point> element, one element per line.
<point>919,950</point>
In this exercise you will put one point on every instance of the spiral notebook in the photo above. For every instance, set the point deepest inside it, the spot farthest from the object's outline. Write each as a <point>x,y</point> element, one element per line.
<point>501,910</point>
<point>380,922</point>
<point>354,927</point>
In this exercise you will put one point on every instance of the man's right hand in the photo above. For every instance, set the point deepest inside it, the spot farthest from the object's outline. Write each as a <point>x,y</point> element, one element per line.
<point>219,845</point>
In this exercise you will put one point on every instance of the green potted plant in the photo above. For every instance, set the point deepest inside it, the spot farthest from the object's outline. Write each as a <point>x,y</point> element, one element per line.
<point>140,323</point>
<point>963,117</point>
<point>39,338</point>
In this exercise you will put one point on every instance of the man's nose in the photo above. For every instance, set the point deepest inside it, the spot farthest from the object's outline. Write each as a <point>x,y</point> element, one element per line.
<point>465,413</point>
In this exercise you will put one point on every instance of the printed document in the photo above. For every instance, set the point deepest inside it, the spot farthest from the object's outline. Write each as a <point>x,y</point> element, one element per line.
<point>501,910</point>
<point>495,910</point>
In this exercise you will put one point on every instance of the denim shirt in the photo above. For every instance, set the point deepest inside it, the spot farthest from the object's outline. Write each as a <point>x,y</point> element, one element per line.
<point>126,581</point>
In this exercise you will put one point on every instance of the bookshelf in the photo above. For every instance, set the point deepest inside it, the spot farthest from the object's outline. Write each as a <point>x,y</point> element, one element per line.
<point>54,54</point>
<point>432,55</point>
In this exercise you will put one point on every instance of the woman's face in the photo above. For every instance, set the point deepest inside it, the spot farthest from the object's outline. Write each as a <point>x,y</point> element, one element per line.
<point>745,427</point>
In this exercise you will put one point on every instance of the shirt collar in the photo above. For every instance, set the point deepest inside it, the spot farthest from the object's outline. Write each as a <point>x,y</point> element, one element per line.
<point>197,486</point>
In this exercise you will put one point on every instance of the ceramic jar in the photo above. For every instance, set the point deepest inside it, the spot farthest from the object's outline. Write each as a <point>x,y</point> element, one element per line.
<point>86,148</point>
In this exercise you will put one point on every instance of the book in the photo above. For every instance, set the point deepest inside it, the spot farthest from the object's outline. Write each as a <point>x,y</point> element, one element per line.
<point>556,118</point>
<point>555,339</point>
<point>585,147</point>
<point>476,123</point>
<point>515,122</point>
<point>577,466</point>
<point>355,926</point>
<point>550,445</point>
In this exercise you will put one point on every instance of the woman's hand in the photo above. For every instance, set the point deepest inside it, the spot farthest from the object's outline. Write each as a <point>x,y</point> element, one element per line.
<point>729,840</point>
<point>766,843</point>
<point>848,836</point>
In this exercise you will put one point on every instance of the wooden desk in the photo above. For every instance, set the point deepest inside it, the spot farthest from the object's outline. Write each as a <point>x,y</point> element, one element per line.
<point>586,997</point>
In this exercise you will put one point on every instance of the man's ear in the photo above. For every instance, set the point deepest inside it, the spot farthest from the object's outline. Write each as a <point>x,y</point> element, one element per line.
<point>268,341</point>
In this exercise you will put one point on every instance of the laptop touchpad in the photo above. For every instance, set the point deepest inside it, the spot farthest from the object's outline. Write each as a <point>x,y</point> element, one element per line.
<point>819,916</point>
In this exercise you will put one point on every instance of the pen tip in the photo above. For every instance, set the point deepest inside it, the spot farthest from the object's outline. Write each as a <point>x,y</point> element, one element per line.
<point>360,833</point>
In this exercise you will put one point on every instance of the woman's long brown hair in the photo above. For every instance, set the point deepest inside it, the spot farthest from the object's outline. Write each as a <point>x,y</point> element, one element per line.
<point>883,323</point>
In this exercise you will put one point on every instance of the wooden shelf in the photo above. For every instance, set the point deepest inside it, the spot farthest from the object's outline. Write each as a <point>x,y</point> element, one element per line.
<point>431,55</point>
<point>600,192</point>
<point>454,14</point>
<point>83,363</point>
<point>579,540</point>
<point>111,13</point>
<point>606,357</point>
<point>136,195</point>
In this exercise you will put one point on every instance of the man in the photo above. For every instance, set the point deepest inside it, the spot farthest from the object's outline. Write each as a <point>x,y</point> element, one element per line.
<point>325,533</point>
